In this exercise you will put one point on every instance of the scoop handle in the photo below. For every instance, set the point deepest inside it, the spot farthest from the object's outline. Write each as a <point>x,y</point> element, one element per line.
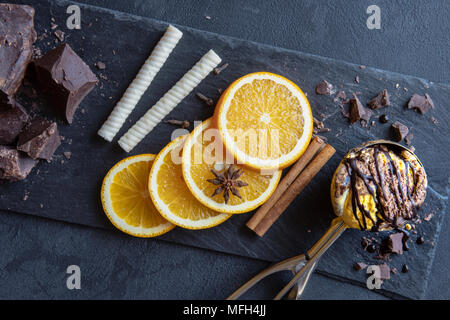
<point>302,277</point>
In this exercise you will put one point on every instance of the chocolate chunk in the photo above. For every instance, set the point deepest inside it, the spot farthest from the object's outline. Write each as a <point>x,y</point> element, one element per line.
<point>340,95</point>
<point>372,248</point>
<point>420,103</point>
<point>13,119</point>
<point>384,118</point>
<point>434,120</point>
<point>405,268</point>
<point>17,36</point>
<point>408,138</point>
<point>395,243</point>
<point>385,271</point>
<point>359,266</point>
<point>399,130</point>
<point>380,101</point>
<point>324,87</point>
<point>14,165</point>
<point>100,65</point>
<point>358,111</point>
<point>64,78</point>
<point>60,35</point>
<point>68,155</point>
<point>365,243</point>
<point>420,240</point>
<point>39,139</point>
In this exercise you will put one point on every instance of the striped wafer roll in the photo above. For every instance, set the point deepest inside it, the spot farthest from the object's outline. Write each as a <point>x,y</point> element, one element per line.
<point>169,101</point>
<point>140,84</point>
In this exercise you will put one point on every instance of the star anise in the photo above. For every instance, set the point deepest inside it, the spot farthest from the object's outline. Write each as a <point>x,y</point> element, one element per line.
<point>227,182</point>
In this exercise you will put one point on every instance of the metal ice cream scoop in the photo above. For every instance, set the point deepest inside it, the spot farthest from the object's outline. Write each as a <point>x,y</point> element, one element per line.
<point>303,265</point>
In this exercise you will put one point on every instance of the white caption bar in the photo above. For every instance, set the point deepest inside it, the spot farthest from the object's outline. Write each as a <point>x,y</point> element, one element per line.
<point>140,84</point>
<point>169,101</point>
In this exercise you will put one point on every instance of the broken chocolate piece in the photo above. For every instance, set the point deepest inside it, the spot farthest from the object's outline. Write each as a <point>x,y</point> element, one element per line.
<point>64,78</point>
<point>100,65</point>
<point>39,139</point>
<point>14,165</point>
<point>358,111</point>
<point>17,36</point>
<point>60,35</point>
<point>405,268</point>
<point>420,103</point>
<point>395,243</point>
<point>420,240</point>
<point>13,119</point>
<point>380,101</point>
<point>408,138</point>
<point>340,95</point>
<point>385,271</point>
<point>372,248</point>
<point>359,266</point>
<point>324,87</point>
<point>399,130</point>
<point>384,118</point>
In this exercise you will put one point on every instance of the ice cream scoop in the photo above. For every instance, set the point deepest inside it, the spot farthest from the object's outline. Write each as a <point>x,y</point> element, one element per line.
<point>378,186</point>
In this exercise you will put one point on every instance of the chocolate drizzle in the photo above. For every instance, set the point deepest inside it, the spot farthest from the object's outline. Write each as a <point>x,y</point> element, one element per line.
<point>388,185</point>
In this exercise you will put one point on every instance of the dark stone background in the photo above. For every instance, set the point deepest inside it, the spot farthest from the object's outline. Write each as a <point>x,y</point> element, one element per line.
<point>412,41</point>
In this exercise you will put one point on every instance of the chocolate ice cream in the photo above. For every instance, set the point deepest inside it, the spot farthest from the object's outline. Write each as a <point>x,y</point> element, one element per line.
<point>378,188</point>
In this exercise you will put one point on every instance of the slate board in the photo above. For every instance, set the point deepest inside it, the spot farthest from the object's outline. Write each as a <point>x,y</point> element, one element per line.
<point>69,191</point>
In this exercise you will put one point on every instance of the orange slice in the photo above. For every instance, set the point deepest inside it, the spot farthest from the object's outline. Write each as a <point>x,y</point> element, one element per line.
<point>172,197</point>
<point>126,200</point>
<point>265,120</point>
<point>204,151</point>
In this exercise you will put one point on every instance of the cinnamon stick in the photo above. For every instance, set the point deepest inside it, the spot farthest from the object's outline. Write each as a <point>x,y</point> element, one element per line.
<point>294,189</point>
<point>301,163</point>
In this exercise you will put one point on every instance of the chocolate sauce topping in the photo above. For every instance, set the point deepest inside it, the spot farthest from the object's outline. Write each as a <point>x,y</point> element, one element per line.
<point>392,186</point>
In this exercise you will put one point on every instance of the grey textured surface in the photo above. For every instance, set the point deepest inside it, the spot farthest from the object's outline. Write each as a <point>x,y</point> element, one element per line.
<point>318,227</point>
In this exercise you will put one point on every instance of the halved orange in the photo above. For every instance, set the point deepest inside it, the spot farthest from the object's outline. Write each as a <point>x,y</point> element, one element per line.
<point>204,152</point>
<point>265,120</point>
<point>126,200</point>
<point>172,197</point>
